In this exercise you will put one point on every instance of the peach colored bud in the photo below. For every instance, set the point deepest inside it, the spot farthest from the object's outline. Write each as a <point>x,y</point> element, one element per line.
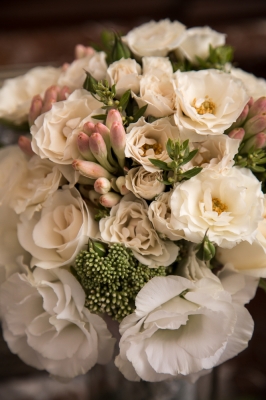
<point>242,117</point>
<point>250,102</point>
<point>121,184</point>
<point>90,169</point>
<point>35,109</point>
<point>113,116</point>
<point>105,132</point>
<point>255,125</point>
<point>94,197</point>
<point>113,184</point>
<point>82,180</point>
<point>118,142</point>
<point>63,93</point>
<point>99,150</point>
<point>258,108</point>
<point>237,133</point>
<point>82,51</point>
<point>84,147</point>
<point>89,128</point>
<point>50,97</point>
<point>24,144</point>
<point>102,185</point>
<point>110,199</point>
<point>257,141</point>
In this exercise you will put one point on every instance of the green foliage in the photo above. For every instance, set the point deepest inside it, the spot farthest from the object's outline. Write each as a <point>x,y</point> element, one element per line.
<point>255,159</point>
<point>205,250</point>
<point>111,278</point>
<point>180,155</point>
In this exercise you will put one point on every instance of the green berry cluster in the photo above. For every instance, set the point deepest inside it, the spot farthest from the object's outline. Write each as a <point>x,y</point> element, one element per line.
<point>112,278</point>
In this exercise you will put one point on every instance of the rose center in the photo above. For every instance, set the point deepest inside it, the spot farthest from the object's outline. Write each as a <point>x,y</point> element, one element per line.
<point>206,107</point>
<point>218,206</point>
<point>157,148</point>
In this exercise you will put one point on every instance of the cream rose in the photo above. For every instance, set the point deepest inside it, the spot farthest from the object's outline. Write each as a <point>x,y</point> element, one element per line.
<point>181,327</point>
<point>144,184</point>
<point>210,101</point>
<point>46,325</point>
<point>17,93</point>
<point>74,75</point>
<point>145,141</point>
<point>229,206</point>
<point>196,42</point>
<point>157,66</point>
<point>129,224</point>
<point>154,38</point>
<point>55,235</point>
<point>54,133</point>
<point>256,87</point>
<point>125,74</point>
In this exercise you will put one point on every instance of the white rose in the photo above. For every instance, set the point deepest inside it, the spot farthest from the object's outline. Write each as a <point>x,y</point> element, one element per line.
<point>128,223</point>
<point>157,66</point>
<point>154,38</point>
<point>144,184</point>
<point>210,101</point>
<point>256,87</point>
<point>230,206</point>
<point>46,324</point>
<point>74,75</point>
<point>160,215</point>
<point>125,74</point>
<point>181,327</point>
<point>42,179</point>
<point>54,133</point>
<point>55,235</point>
<point>196,42</point>
<point>17,93</point>
<point>145,141</point>
<point>158,93</point>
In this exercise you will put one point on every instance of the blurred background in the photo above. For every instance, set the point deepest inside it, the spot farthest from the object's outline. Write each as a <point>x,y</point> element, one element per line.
<point>45,33</point>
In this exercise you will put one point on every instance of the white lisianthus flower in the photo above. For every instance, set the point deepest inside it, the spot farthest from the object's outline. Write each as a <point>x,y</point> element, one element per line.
<point>55,235</point>
<point>74,75</point>
<point>229,205</point>
<point>144,184</point>
<point>125,74</point>
<point>145,141</point>
<point>157,66</point>
<point>196,43</point>
<point>210,101</point>
<point>256,87</point>
<point>160,215</point>
<point>54,133</point>
<point>194,269</point>
<point>154,38</point>
<point>128,224</point>
<point>17,93</point>
<point>158,93</point>
<point>46,324</point>
<point>181,327</point>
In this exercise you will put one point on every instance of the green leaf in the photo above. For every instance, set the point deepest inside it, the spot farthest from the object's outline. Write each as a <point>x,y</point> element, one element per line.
<point>262,284</point>
<point>140,113</point>
<point>160,164</point>
<point>189,157</point>
<point>100,117</point>
<point>170,148</point>
<point>125,99</point>
<point>255,168</point>
<point>119,50</point>
<point>191,172</point>
<point>90,83</point>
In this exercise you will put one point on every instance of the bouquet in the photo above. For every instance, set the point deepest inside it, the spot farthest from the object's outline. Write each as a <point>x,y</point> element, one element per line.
<point>136,196</point>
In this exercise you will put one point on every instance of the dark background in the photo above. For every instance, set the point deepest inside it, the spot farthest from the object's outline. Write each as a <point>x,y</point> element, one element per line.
<point>36,32</point>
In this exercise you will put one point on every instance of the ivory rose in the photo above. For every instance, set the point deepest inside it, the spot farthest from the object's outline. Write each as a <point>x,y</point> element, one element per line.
<point>46,324</point>
<point>125,74</point>
<point>56,234</point>
<point>128,223</point>
<point>144,184</point>
<point>256,87</point>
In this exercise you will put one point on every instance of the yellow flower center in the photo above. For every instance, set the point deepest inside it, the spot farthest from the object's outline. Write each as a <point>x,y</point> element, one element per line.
<point>157,148</point>
<point>207,106</point>
<point>218,206</point>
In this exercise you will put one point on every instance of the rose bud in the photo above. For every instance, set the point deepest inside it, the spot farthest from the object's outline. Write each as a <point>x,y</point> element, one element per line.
<point>63,93</point>
<point>35,109</point>
<point>118,142</point>
<point>102,185</point>
<point>90,169</point>
<point>242,117</point>
<point>250,102</point>
<point>258,108</point>
<point>99,150</point>
<point>24,144</point>
<point>257,141</point>
<point>255,125</point>
<point>105,132</point>
<point>113,116</point>
<point>84,147</point>
<point>121,185</point>
<point>50,97</point>
<point>89,128</point>
<point>82,51</point>
<point>237,133</point>
<point>110,199</point>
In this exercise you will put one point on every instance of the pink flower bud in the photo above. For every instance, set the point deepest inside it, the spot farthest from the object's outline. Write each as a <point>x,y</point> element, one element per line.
<point>121,184</point>
<point>110,199</point>
<point>118,142</point>
<point>113,116</point>
<point>260,140</point>
<point>102,185</point>
<point>89,128</point>
<point>35,109</point>
<point>90,169</point>
<point>82,51</point>
<point>257,141</point>
<point>93,197</point>
<point>65,67</point>
<point>105,132</point>
<point>50,97</point>
<point>102,129</point>
<point>63,93</point>
<point>84,147</point>
<point>250,102</point>
<point>24,144</point>
<point>255,125</point>
<point>99,150</point>
<point>258,108</point>
<point>237,133</point>
<point>242,117</point>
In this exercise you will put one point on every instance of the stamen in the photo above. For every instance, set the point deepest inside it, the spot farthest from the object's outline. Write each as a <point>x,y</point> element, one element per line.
<point>207,106</point>
<point>218,206</point>
<point>157,148</point>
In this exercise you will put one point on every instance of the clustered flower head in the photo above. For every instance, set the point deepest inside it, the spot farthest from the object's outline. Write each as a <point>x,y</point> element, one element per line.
<point>138,193</point>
